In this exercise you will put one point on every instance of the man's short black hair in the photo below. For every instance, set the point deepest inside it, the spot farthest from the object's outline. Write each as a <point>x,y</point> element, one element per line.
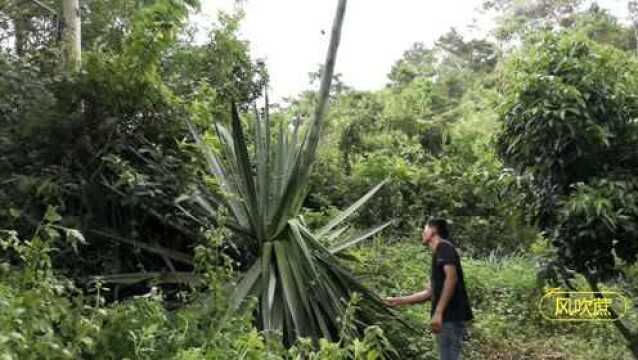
<point>440,225</point>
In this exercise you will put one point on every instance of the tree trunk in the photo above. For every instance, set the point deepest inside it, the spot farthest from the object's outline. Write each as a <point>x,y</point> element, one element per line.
<point>72,34</point>
<point>21,24</point>
<point>632,339</point>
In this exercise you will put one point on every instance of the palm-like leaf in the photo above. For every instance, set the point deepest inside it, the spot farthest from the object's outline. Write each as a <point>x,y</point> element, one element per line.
<point>301,287</point>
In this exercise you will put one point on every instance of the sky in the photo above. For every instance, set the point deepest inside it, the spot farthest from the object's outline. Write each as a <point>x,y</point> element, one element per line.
<point>287,34</point>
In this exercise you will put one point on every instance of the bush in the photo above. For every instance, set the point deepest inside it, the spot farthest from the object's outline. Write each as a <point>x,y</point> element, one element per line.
<point>43,315</point>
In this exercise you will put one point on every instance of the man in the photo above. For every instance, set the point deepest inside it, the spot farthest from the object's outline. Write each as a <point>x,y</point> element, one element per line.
<point>450,303</point>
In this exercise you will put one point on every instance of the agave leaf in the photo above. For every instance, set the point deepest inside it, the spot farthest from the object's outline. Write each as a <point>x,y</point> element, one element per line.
<point>332,235</point>
<point>267,181</point>
<point>308,258</point>
<point>313,240</point>
<point>293,145</point>
<point>294,304</point>
<point>373,304</point>
<point>228,143</point>
<point>158,277</point>
<point>234,175</point>
<point>246,175</point>
<point>293,189</point>
<point>358,238</point>
<point>280,155</point>
<point>349,211</point>
<point>245,288</point>
<point>225,183</point>
<point>306,287</point>
<point>279,176</point>
<point>322,321</point>
<point>269,282</point>
<point>278,316</point>
<point>263,160</point>
<point>346,256</point>
<point>155,249</point>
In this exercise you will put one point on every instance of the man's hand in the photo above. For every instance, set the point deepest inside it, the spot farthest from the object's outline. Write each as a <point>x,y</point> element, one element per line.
<point>394,301</point>
<point>437,323</point>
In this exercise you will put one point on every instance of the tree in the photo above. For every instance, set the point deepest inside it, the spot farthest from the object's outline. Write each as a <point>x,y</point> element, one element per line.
<point>418,61</point>
<point>29,26</point>
<point>72,34</point>
<point>118,154</point>
<point>601,26</point>
<point>568,112</point>
<point>632,7</point>
<point>476,54</point>
<point>518,18</point>
<point>337,87</point>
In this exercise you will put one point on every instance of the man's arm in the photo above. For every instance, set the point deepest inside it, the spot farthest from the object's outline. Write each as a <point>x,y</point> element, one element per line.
<point>416,298</point>
<point>451,278</point>
<point>449,285</point>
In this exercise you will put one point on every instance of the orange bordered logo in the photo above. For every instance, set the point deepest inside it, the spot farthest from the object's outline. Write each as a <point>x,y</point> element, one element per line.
<point>560,305</point>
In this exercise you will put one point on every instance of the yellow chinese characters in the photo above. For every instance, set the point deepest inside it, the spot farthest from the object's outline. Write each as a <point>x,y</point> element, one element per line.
<point>597,308</point>
<point>560,305</point>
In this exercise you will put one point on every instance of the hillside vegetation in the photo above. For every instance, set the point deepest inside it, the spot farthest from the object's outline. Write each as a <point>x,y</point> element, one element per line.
<point>156,204</point>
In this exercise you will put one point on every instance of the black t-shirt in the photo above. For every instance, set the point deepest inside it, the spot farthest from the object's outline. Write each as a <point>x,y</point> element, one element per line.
<point>458,309</point>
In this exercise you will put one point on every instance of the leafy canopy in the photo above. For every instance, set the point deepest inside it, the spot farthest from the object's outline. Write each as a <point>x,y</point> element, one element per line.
<point>569,124</point>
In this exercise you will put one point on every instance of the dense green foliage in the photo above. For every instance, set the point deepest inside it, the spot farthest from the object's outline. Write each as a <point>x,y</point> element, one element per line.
<point>106,145</point>
<point>46,316</point>
<point>119,240</point>
<point>71,325</point>
<point>570,129</point>
<point>570,108</point>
